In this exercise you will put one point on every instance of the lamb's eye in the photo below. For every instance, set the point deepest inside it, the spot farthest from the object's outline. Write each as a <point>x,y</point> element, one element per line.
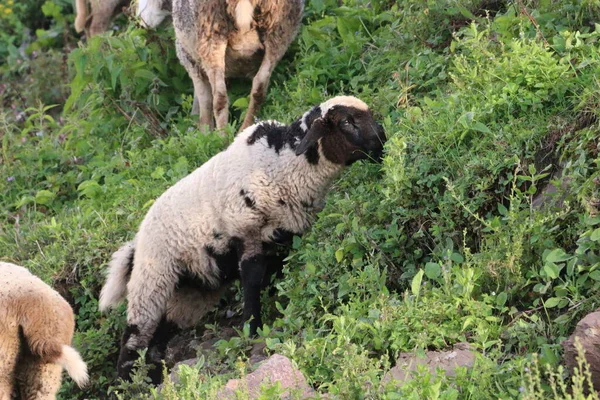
<point>347,122</point>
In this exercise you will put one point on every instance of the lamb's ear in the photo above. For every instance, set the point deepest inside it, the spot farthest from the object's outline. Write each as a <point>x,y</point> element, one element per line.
<point>317,130</point>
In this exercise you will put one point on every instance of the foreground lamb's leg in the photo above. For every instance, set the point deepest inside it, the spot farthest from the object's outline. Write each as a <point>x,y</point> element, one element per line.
<point>149,289</point>
<point>188,305</point>
<point>252,270</point>
<point>157,347</point>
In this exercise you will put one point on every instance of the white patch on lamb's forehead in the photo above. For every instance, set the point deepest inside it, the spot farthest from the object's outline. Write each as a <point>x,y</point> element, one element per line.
<point>348,101</point>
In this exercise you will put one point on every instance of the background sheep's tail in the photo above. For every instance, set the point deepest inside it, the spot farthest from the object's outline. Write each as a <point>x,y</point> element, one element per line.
<point>72,362</point>
<point>244,15</point>
<point>81,18</point>
<point>115,288</point>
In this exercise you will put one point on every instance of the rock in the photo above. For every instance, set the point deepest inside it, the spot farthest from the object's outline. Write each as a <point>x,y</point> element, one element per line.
<point>186,345</point>
<point>276,368</point>
<point>175,371</point>
<point>182,347</point>
<point>459,356</point>
<point>549,195</point>
<point>257,354</point>
<point>588,332</point>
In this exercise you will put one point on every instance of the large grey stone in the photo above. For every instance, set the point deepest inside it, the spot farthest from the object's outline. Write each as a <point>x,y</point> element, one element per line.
<point>459,356</point>
<point>588,333</point>
<point>276,368</point>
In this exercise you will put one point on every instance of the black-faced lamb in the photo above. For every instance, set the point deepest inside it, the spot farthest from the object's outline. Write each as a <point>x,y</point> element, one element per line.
<point>36,328</point>
<point>218,39</point>
<point>221,222</point>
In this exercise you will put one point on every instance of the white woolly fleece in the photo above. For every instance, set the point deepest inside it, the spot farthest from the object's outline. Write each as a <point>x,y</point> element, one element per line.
<point>115,288</point>
<point>347,101</point>
<point>243,15</point>
<point>150,13</point>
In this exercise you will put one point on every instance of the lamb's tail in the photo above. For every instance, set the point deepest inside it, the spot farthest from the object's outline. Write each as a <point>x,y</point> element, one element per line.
<point>115,288</point>
<point>244,15</point>
<point>71,361</point>
<point>82,16</point>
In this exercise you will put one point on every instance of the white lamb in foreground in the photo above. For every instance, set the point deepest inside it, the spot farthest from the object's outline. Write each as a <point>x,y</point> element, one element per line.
<point>221,222</point>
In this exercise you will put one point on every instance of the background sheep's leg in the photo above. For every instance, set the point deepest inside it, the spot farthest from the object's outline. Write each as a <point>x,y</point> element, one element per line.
<point>276,40</point>
<point>276,45</point>
<point>260,84</point>
<point>38,379</point>
<point>195,105</point>
<point>202,91</point>
<point>150,287</point>
<point>204,100</point>
<point>214,66</point>
<point>102,13</point>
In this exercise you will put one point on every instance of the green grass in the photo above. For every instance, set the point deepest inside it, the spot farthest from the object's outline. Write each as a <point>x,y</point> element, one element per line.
<point>440,244</point>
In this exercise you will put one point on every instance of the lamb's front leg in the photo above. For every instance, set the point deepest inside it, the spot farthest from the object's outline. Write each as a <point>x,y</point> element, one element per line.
<point>252,270</point>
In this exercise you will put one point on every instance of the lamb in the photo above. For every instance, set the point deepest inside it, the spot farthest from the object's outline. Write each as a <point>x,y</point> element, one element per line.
<point>223,221</point>
<point>218,39</point>
<point>102,12</point>
<point>36,328</point>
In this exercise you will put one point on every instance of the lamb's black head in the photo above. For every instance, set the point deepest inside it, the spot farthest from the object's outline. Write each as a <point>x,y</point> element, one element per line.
<point>345,129</point>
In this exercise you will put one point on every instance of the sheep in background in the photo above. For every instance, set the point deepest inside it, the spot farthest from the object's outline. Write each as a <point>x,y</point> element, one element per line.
<point>36,328</point>
<point>218,39</point>
<point>222,221</point>
<point>98,20</point>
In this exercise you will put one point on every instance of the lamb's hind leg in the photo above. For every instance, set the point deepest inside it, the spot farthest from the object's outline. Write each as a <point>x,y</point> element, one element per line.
<point>157,347</point>
<point>189,304</point>
<point>149,289</point>
<point>185,309</point>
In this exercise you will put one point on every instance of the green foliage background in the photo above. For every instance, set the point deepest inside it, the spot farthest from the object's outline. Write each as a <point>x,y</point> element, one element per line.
<point>484,103</point>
